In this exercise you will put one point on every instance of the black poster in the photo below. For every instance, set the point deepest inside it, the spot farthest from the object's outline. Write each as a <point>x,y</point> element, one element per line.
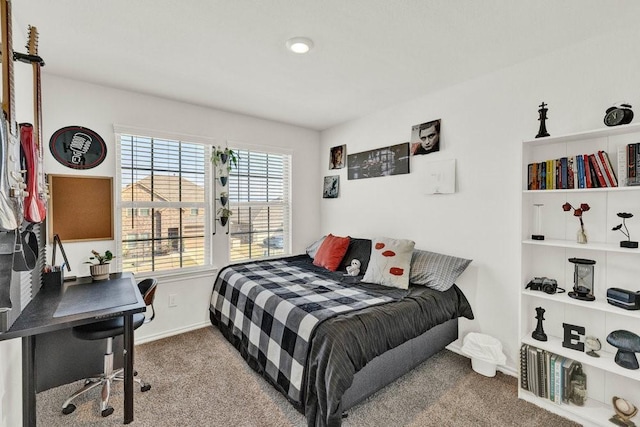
<point>77,147</point>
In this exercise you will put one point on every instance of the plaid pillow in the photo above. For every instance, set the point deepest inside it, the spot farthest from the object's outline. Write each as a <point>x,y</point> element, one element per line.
<point>436,270</point>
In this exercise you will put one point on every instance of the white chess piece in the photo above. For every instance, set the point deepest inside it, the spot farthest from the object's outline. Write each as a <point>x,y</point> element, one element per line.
<point>354,268</point>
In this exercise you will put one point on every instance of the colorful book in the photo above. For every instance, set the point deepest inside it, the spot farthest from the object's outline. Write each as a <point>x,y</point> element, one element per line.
<point>552,377</point>
<point>567,366</point>
<point>580,167</point>
<point>565,172</point>
<point>598,173</point>
<point>608,168</point>
<point>558,379</point>
<point>603,172</point>
<point>571,172</point>
<point>587,171</point>
<point>542,167</point>
<point>550,175</point>
<point>558,174</point>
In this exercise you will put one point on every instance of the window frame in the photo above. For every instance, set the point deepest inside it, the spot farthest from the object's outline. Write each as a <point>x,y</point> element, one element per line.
<point>206,205</point>
<point>287,237</point>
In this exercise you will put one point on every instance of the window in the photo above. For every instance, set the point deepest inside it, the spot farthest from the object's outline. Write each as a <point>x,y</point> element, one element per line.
<point>162,182</point>
<point>259,199</point>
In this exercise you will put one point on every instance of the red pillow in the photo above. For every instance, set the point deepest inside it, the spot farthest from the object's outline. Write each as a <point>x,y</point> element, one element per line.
<point>331,252</point>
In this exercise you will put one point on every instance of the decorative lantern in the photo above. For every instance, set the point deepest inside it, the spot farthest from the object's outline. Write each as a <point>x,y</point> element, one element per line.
<point>582,279</point>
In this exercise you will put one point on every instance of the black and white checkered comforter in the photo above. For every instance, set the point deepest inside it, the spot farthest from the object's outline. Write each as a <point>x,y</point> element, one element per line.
<point>273,308</point>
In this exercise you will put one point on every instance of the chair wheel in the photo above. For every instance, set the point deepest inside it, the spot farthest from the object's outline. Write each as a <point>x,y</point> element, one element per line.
<point>145,387</point>
<point>108,411</point>
<point>69,409</point>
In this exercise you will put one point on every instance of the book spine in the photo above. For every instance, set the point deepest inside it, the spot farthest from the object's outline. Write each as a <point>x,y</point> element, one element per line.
<point>535,177</point>
<point>622,165</point>
<point>524,383</point>
<point>631,164</point>
<point>603,172</point>
<point>550,174</point>
<point>558,174</point>
<point>587,171</point>
<point>606,161</point>
<point>565,172</point>
<point>580,167</point>
<point>558,379</point>
<point>571,172</point>
<point>543,175</point>
<point>596,172</point>
<point>637,169</point>
<point>552,377</point>
<point>542,379</point>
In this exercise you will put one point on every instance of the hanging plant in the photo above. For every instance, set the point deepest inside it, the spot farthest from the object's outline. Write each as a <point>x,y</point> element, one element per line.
<point>224,198</point>
<point>224,156</point>
<point>223,180</point>
<point>224,215</point>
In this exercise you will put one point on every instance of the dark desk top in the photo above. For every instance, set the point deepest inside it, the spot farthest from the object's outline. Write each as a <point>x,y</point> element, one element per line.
<point>38,315</point>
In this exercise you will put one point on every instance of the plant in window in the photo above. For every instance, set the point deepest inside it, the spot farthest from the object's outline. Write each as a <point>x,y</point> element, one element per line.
<point>582,234</point>
<point>222,156</point>
<point>224,215</point>
<point>224,198</point>
<point>628,243</point>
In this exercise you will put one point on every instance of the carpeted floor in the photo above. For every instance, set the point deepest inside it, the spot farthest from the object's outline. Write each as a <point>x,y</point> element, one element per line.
<point>199,379</point>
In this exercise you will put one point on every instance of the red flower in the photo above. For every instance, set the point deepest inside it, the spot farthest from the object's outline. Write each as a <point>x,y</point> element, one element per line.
<point>388,253</point>
<point>379,245</point>
<point>396,271</point>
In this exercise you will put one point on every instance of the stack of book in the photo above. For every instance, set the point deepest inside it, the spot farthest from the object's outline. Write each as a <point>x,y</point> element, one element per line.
<point>579,171</point>
<point>546,374</point>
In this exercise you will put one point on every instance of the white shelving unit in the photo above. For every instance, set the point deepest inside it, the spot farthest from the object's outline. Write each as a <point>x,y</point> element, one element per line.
<point>615,267</point>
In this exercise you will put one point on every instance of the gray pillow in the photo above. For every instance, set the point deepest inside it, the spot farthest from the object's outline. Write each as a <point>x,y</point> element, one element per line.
<point>434,270</point>
<point>313,248</point>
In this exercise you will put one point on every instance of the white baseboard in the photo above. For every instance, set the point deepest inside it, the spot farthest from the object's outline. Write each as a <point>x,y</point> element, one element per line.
<point>171,332</point>
<point>504,369</point>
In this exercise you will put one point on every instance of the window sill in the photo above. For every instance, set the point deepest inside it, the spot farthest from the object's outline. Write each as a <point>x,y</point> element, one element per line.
<point>180,274</point>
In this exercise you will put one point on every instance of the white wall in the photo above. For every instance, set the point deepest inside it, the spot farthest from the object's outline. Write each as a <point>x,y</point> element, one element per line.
<point>483,122</point>
<point>67,102</point>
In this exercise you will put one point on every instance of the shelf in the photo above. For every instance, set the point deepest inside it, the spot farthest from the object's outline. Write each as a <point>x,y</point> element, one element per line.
<point>598,304</point>
<point>581,136</point>
<point>593,411</point>
<point>586,190</point>
<point>604,362</point>
<point>595,246</point>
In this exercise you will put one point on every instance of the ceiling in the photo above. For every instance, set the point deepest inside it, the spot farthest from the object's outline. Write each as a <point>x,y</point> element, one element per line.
<point>368,54</point>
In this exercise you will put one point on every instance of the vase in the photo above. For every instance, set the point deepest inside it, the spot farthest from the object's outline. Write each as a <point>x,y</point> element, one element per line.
<point>223,180</point>
<point>223,220</point>
<point>582,236</point>
<point>99,271</point>
<point>223,200</point>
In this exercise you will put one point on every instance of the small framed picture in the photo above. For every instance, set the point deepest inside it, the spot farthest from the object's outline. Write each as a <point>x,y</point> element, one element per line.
<point>331,187</point>
<point>425,138</point>
<point>337,156</point>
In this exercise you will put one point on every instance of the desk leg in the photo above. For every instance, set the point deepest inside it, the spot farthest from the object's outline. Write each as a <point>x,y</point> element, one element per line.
<point>29,381</point>
<point>128,368</point>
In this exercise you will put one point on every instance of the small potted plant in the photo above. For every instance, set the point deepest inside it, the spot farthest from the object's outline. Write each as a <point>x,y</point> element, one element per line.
<point>625,243</point>
<point>224,215</point>
<point>220,156</point>
<point>100,265</point>
<point>224,198</point>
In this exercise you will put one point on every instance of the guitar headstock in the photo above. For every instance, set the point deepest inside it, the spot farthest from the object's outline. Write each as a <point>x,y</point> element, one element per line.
<point>32,41</point>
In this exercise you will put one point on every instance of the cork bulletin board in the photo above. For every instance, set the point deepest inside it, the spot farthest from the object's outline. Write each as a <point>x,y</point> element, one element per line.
<point>80,208</point>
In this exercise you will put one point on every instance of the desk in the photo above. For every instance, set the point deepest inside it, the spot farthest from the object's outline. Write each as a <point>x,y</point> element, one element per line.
<point>38,318</point>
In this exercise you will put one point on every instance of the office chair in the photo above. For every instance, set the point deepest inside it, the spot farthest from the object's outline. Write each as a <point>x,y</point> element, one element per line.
<point>109,329</point>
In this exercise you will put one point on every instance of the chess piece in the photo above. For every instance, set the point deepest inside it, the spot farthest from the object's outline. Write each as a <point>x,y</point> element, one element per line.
<point>624,412</point>
<point>539,334</point>
<point>354,268</point>
<point>543,117</point>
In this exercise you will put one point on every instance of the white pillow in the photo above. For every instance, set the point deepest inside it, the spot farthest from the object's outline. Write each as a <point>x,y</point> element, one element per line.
<point>313,248</point>
<point>390,262</point>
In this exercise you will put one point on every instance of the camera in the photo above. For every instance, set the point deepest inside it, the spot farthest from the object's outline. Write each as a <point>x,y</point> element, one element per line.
<point>544,284</point>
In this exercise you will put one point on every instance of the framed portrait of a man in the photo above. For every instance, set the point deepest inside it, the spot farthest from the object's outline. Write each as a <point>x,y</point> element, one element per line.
<point>425,138</point>
<point>337,157</point>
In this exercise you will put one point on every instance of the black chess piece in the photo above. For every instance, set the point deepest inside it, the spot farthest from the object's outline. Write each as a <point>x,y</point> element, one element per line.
<point>539,334</point>
<point>543,117</point>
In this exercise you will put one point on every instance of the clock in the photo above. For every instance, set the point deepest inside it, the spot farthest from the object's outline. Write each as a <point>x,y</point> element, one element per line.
<point>618,115</point>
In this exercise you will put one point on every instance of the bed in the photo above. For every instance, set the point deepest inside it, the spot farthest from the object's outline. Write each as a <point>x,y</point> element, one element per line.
<point>326,340</point>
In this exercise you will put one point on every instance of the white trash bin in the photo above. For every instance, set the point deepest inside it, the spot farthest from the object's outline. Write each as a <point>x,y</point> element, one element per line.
<point>485,352</point>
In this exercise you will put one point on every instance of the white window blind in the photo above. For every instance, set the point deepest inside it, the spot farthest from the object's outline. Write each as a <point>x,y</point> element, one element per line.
<point>259,198</point>
<point>162,183</point>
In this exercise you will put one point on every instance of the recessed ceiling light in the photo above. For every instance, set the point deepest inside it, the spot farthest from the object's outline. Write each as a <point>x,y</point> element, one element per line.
<point>299,44</point>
